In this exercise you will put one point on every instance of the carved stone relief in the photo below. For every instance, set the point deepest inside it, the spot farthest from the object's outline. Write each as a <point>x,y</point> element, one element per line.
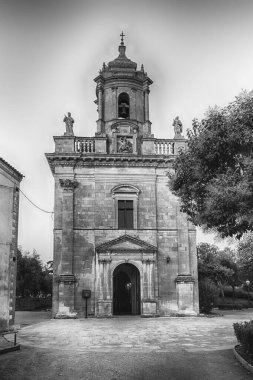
<point>124,144</point>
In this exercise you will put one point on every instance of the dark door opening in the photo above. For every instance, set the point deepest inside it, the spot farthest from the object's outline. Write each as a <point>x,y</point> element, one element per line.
<point>126,290</point>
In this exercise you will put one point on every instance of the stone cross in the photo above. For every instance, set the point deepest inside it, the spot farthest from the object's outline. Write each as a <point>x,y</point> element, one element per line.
<point>122,38</point>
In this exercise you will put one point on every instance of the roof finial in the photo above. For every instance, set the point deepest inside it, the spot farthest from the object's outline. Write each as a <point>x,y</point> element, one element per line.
<point>122,38</point>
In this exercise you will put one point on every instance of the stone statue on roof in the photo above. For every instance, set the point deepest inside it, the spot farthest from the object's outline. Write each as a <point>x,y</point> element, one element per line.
<point>178,127</point>
<point>69,121</point>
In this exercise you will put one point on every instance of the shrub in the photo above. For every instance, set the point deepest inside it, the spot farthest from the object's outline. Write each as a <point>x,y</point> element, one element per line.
<point>230,306</point>
<point>244,335</point>
<point>239,293</point>
<point>208,293</point>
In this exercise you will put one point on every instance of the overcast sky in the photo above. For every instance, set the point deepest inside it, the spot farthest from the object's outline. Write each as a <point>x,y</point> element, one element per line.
<point>198,53</point>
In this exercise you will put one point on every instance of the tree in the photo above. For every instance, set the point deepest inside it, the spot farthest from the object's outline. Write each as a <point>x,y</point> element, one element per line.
<point>227,259</point>
<point>33,279</point>
<point>245,257</point>
<point>215,265</point>
<point>214,175</point>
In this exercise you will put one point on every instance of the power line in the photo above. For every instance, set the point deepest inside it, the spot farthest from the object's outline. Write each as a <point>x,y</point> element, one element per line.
<point>41,209</point>
<point>18,189</point>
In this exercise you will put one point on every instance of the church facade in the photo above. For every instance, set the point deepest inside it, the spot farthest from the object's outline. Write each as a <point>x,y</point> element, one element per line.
<point>119,236</point>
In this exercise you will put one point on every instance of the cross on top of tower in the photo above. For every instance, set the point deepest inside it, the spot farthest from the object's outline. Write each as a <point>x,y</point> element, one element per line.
<point>122,38</point>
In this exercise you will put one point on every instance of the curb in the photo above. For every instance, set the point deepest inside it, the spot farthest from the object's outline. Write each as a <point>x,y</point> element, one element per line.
<point>240,359</point>
<point>10,349</point>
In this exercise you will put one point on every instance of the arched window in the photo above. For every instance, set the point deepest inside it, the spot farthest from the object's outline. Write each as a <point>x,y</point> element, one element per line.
<point>123,105</point>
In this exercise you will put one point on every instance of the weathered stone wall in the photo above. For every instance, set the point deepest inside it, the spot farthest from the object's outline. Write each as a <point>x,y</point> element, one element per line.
<point>9,202</point>
<point>159,222</point>
<point>136,97</point>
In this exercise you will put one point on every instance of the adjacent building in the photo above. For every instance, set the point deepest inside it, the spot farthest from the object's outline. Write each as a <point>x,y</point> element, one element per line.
<point>10,180</point>
<point>119,233</point>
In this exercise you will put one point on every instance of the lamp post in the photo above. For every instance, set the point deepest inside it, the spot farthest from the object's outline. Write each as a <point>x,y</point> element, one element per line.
<point>248,284</point>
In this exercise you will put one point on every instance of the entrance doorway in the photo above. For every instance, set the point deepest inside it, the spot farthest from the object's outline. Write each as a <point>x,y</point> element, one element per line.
<point>126,290</point>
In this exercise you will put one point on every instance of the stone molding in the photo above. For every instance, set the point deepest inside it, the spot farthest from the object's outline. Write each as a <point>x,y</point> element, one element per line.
<point>66,278</point>
<point>141,246</point>
<point>10,170</point>
<point>68,184</point>
<point>104,260</point>
<point>185,278</point>
<point>245,364</point>
<point>125,188</point>
<point>120,160</point>
<point>148,260</point>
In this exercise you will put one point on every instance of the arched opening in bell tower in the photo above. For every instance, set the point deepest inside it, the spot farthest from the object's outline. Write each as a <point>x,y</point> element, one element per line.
<point>123,106</point>
<point>126,290</point>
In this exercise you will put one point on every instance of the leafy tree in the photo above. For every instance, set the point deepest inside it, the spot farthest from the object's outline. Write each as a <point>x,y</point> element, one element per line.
<point>227,259</point>
<point>214,265</point>
<point>214,176</point>
<point>208,293</point>
<point>245,257</point>
<point>32,278</point>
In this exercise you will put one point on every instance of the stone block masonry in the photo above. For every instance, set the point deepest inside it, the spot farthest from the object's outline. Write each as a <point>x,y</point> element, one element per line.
<point>118,229</point>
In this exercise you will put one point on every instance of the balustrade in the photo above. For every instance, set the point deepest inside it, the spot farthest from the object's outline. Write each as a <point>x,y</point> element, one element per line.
<point>164,146</point>
<point>85,145</point>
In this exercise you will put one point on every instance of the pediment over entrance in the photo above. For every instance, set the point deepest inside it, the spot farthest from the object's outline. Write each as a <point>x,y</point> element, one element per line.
<point>126,243</point>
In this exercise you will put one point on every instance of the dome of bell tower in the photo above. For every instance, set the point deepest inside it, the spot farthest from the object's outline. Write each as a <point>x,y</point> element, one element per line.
<point>123,96</point>
<point>122,62</point>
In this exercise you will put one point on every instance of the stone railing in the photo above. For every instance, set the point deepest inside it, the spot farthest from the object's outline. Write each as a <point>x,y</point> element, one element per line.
<point>164,146</point>
<point>84,145</point>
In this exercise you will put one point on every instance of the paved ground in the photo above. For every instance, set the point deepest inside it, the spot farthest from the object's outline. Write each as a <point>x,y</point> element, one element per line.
<point>127,348</point>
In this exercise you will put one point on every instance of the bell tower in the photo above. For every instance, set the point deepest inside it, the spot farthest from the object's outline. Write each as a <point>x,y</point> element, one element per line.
<point>123,102</point>
<point>119,233</point>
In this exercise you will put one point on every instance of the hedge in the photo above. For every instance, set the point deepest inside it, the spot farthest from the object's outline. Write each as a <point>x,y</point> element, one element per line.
<point>244,335</point>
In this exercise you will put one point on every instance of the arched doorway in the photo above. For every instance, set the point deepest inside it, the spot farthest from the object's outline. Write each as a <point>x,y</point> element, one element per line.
<point>126,290</point>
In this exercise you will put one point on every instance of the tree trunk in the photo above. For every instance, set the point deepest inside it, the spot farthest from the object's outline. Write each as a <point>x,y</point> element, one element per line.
<point>233,287</point>
<point>221,291</point>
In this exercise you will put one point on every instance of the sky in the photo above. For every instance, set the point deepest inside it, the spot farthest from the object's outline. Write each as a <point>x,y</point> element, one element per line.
<point>197,52</point>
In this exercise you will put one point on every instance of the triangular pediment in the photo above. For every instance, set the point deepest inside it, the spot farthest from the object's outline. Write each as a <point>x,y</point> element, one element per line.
<point>126,243</point>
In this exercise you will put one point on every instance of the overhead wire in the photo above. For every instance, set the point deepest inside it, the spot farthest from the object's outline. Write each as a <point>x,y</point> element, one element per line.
<point>41,209</point>
<point>18,189</point>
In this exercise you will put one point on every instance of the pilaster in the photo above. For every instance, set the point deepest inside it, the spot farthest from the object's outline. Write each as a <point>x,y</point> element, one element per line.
<point>66,279</point>
<point>184,280</point>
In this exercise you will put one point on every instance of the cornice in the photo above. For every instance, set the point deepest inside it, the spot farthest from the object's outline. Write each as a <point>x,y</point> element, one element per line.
<point>112,160</point>
<point>10,170</point>
<point>117,78</point>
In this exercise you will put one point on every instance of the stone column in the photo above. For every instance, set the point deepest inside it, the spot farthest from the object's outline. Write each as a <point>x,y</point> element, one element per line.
<point>183,244</point>
<point>147,124</point>
<point>104,291</point>
<point>66,278</point>
<point>100,123</point>
<point>149,303</point>
<point>100,103</point>
<point>133,107</point>
<point>184,280</point>
<point>146,99</point>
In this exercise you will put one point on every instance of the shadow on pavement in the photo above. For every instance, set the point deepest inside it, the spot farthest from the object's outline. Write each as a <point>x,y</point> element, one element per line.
<point>26,318</point>
<point>38,364</point>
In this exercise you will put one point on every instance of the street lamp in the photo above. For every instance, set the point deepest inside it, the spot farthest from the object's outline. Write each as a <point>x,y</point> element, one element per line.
<point>248,284</point>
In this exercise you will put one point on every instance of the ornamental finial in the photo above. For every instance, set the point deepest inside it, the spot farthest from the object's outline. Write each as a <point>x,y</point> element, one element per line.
<point>122,38</point>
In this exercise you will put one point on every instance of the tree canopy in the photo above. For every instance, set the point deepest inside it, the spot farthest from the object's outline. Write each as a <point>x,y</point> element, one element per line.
<point>245,257</point>
<point>217,265</point>
<point>214,175</point>
<point>33,279</point>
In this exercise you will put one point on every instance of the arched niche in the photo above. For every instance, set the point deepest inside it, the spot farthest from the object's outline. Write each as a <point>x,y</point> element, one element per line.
<point>123,105</point>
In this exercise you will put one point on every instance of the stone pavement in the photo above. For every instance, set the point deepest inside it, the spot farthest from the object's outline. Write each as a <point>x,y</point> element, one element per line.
<point>185,348</point>
<point>134,333</point>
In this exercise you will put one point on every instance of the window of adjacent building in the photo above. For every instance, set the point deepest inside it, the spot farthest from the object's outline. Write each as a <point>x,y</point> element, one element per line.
<point>123,105</point>
<point>125,214</point>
